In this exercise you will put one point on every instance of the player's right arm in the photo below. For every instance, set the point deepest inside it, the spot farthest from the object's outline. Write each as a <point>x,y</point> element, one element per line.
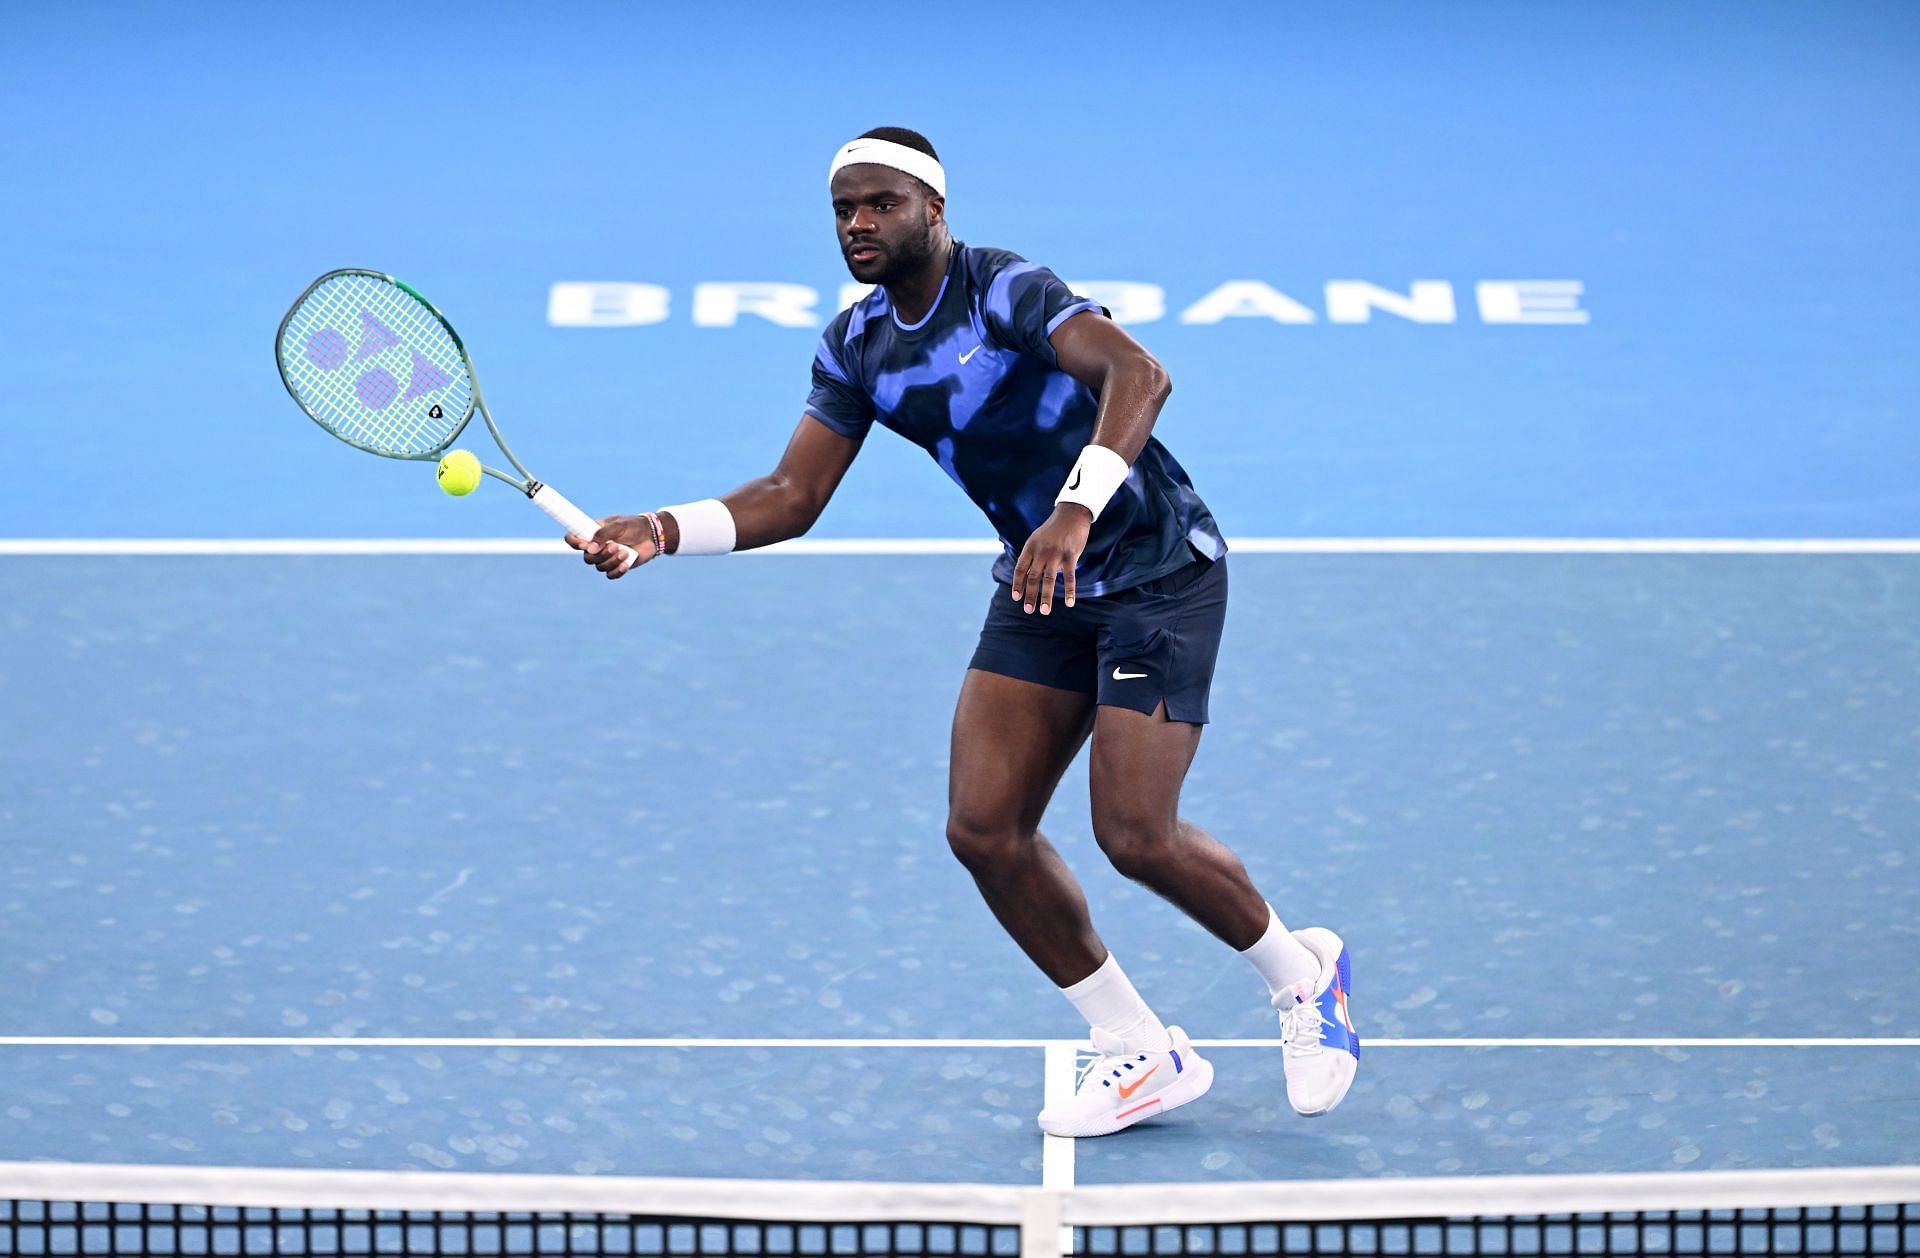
<point>772,508</point>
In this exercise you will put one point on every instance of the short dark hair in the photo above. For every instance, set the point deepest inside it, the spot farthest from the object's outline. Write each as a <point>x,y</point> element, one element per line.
<point>900,135</point>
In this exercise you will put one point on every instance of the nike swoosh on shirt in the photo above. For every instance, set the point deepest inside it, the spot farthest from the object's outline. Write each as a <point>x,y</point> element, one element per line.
<point>1120,676</point>
<point>969,354</point>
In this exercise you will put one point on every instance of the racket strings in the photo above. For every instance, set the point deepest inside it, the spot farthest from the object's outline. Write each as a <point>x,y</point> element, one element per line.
<point>372,308</point>
<point>372,365</point>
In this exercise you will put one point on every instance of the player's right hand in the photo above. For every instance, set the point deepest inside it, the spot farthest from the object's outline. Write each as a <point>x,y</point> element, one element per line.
<point>601,551</point>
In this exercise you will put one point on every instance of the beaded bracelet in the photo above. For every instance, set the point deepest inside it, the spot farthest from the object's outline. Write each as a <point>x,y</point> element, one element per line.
<point>658,530</point>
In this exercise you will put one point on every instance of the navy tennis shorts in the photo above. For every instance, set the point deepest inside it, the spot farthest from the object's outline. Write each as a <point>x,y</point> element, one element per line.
<point>1131,649</point>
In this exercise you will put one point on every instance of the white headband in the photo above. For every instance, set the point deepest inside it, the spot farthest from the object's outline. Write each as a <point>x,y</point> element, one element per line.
<point>886,153</point>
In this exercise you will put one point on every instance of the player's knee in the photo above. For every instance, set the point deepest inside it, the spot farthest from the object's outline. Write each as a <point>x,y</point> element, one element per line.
<point>981,843</point>
<point>1137,847</point>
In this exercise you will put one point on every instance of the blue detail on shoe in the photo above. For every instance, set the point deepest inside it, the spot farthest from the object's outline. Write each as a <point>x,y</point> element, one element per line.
<point>1177,1067</point>
<point>1336,1028</point>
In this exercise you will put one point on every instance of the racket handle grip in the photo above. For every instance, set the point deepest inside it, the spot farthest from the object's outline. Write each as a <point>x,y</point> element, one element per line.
<point>564,513</point>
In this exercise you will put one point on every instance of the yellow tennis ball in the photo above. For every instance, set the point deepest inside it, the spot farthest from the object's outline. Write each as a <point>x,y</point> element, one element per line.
<point>459,473</point>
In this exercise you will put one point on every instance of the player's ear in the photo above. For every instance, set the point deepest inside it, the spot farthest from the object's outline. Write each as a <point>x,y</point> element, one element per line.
<point>936,210</point>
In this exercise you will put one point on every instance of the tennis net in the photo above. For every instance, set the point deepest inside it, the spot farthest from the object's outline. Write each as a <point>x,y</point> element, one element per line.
<point>53,1208</point>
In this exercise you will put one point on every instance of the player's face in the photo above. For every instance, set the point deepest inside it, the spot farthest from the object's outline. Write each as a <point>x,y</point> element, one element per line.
<point>885,222</point>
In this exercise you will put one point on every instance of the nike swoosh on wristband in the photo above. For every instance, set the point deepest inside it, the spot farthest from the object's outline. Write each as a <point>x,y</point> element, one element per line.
<point>1126,1091</point>
<point>1075,482</point>
<point>1120,676</point>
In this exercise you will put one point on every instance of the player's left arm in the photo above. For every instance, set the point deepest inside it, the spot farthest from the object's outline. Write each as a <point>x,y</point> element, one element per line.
<point>1132,387</point>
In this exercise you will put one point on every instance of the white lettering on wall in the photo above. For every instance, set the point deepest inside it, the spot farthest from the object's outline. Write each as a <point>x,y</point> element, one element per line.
<point>1246,299</point>
<point>1354,301</point>
<point>721,305</point>
<point>618,303</point>
<point>1531,301</point>
<point>605,304</point>
<point>1127,300</point>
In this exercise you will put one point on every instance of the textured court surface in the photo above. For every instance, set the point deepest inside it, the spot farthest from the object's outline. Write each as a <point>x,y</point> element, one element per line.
<point>1581,796</point>
<point>1573,796</point>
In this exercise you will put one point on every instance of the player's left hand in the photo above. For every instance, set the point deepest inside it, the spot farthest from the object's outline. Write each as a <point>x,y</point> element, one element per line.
<point>1049,554</point>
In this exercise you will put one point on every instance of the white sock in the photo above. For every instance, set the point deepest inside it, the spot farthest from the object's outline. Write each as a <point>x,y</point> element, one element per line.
<point>1281,959</point>
<point>1106,999</point>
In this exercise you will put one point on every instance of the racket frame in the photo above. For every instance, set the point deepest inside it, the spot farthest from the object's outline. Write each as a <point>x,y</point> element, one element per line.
<point>543,496</point>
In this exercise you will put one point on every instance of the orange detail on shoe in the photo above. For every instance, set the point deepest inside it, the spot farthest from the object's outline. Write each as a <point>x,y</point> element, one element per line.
<point>1126,1091</point>
<point>1147,1104</point>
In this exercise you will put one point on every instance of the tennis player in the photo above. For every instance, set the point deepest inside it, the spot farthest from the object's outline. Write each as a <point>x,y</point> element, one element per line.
<point>1105,624</point>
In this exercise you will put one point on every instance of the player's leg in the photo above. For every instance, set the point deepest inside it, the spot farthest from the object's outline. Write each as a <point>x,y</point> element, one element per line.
<point>1140,761</point>
<point>1025,710</point>
<point>1156,670</point>
<point>1012,740</point>
<point>1157,651</point>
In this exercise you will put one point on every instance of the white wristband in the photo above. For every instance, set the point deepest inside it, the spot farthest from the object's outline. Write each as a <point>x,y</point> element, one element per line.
<point>706,527</point>
<point>1096,474</point>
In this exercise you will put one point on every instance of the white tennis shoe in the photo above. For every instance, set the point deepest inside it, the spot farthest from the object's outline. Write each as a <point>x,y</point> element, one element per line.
<point>1118,1089</point>
<point>1319,1047</point>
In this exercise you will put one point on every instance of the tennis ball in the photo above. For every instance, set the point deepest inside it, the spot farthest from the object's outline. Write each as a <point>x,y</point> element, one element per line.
<point>459,473</point>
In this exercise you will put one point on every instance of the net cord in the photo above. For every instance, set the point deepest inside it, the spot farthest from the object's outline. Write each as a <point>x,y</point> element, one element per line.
<point>760,1200</point>
<point>1105,1206</point>
<point>1492,1195</point>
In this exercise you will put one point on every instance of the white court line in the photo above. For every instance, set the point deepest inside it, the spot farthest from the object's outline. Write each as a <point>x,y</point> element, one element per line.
<point>83,546</point>
<point>1062,1063</point>
<point>1056,1152</point>
<point>411,1041</point>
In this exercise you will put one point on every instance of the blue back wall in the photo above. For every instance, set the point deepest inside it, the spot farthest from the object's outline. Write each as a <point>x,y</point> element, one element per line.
<point>1732,186</point>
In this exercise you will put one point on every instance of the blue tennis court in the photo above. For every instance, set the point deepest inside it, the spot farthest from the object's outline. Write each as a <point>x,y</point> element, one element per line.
<point>1549,368</point>
<point>1586,797</point>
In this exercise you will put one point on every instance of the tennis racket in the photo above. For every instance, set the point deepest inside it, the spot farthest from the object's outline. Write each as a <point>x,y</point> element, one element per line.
<point>372,362</point>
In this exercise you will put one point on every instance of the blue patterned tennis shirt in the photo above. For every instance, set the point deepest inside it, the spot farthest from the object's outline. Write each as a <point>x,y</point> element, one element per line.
<point>976,385</point>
